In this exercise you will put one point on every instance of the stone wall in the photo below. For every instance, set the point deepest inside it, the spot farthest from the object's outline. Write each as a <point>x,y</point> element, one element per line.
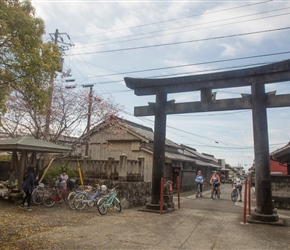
<point>281,190</point>
<point>131,194</point>
<point>188,180</point>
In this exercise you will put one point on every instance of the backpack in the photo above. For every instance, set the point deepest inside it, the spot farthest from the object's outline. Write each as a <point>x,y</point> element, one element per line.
<point>27,183</point>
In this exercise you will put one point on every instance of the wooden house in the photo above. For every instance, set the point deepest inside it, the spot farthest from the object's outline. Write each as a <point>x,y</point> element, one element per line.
<point>136,141</point>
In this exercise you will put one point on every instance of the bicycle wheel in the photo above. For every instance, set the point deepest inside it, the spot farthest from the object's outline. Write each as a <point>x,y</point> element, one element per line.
<point>78,201</point>
<point>37,196</point>
<point>70,200</point>
<point>65,196</point>
<point>47,201</point>
<point>117,205</point>
<point>234,195</point>
<point>215,193</point>
<point>102,208</point>
<point>197,190</point>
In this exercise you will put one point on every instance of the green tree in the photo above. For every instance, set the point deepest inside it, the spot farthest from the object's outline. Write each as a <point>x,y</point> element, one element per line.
<point>26,62</point>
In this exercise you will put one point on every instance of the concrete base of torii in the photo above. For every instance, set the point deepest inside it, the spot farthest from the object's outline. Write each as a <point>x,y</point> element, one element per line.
<point>270,219</point>
<point>155,208</point>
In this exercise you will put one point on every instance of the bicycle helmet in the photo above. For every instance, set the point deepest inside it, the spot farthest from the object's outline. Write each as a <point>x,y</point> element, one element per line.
<point>104,188</point>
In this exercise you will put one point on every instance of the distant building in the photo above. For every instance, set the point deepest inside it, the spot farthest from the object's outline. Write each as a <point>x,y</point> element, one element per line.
<point>280,160</point>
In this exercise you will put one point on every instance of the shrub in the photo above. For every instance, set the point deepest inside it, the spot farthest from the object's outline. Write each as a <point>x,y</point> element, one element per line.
<point>53,174</point>
<point>5,157</point>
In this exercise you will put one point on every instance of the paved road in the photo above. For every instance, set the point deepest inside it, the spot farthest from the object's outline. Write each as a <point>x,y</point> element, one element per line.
<point>224,204</point>
<point>199,224</point>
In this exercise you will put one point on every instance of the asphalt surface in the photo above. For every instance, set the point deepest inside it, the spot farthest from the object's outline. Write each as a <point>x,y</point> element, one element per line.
<point>200,223</point>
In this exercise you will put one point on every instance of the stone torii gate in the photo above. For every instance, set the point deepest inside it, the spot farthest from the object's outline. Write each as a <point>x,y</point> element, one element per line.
<point>258,101</point>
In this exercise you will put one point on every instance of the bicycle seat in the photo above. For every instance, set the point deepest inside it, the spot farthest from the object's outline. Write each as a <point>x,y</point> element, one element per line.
<point>88,188</point>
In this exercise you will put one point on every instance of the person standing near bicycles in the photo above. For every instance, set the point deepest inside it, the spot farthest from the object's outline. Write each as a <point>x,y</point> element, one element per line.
<point>199,181</point>
<point>63,179</point>
<point>215,182</point>
<point>11,181</point>
<point>28,186</point>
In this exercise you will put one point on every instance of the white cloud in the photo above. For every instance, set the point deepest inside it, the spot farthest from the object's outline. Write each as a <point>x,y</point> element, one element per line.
<point>231,50</point>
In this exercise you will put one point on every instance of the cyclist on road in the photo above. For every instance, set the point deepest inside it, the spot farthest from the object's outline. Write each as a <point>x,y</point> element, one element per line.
<point>199,180</point>
<point>215,181</point>
<point>239,186</point>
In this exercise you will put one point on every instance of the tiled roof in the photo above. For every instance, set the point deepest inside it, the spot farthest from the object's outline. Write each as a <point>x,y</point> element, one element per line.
<point>282,154</point>
<point>31,144</point>
<point>172,149</point>
<point>146,132</point>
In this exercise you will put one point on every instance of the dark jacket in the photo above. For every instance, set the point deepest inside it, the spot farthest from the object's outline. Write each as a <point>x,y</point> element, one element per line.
<point>29,182</point>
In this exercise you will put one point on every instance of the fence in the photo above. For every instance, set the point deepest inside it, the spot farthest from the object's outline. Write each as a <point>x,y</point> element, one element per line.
<point>122,169</point>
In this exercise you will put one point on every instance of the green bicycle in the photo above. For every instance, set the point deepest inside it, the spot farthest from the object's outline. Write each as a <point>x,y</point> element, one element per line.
<point>108,201</point>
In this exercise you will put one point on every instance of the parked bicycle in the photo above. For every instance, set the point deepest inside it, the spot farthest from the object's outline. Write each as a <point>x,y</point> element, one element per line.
<point>57,194</point>
<point>109,201</point>
<point>37,194</point>
<point>72,194</point>
<point>85,198</point>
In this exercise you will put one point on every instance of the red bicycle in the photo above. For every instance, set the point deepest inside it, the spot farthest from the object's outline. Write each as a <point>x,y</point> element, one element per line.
<point>57,194</point>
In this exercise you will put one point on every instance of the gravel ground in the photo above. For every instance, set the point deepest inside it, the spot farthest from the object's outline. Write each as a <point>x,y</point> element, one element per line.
<point>199,224</point>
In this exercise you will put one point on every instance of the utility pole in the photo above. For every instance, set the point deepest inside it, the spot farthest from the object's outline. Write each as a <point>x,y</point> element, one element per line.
<point>57,38</point>
<point>89,117</point>
<point>90,102</point>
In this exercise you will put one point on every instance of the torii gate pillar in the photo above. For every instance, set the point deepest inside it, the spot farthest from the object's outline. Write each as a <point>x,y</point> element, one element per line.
<point>158,150</point>
<point>264,211</point>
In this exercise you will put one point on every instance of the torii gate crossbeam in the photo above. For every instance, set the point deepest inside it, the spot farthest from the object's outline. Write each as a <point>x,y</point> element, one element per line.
<point>258,101</point>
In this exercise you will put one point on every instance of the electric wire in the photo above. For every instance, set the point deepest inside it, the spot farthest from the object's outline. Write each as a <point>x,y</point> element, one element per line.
<point>191,64</point>
<point>182,42</point>
<point>174,19</point>
<point>107,42</point>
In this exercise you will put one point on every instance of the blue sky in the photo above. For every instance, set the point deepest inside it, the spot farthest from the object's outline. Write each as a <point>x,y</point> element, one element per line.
<point>114,39</point>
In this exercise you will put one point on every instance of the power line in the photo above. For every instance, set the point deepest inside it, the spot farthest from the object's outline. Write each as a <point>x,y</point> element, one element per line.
<point>106,42</point>
<point>174,19</point>
<point>192,72</point>
<point>192,64</point>
<point>183,42</point>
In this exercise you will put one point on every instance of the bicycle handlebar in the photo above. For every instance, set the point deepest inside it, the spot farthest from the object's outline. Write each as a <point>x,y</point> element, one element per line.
<point>113,190</point>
